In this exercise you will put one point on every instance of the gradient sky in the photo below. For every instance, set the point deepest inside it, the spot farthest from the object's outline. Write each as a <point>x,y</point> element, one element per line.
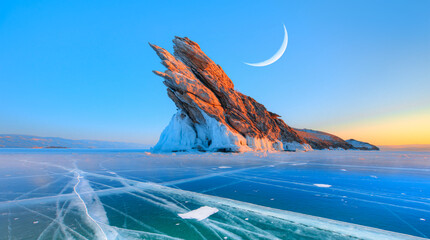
<point>82,69</point>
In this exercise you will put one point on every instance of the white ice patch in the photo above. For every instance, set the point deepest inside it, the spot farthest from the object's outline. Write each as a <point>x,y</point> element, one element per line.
<point>322,185</point>
<point>298,164</point>
<point>224,167</point>
<point>199,214</point>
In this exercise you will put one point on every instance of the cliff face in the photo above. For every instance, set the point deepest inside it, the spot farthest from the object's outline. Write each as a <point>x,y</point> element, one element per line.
<point>212,115</point>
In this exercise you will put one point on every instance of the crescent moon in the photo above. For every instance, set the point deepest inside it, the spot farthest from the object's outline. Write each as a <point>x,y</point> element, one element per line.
<point>277,55</point>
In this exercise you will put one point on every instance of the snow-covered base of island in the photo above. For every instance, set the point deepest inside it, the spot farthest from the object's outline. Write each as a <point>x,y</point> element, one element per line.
<point>297,147</point>
<point>336,149</point>
<point>183,135</point>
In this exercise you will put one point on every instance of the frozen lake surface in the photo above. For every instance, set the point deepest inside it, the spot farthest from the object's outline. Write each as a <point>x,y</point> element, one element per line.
<point>132,194</point>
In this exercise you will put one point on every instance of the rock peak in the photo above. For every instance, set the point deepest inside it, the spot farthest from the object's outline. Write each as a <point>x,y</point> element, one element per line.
<point>212,115</point>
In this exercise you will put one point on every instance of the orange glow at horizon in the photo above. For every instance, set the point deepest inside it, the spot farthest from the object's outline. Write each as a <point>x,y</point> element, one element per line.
<point>399,129</point>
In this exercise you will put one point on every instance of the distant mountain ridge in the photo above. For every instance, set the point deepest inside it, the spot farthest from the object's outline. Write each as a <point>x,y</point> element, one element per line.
<point>29,141</point>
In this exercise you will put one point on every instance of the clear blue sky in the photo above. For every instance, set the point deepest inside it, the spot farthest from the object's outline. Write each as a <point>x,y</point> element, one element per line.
<point>82,69</point>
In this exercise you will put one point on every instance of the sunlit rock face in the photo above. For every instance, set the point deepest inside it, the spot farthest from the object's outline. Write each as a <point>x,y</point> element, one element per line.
<point>212,115</point>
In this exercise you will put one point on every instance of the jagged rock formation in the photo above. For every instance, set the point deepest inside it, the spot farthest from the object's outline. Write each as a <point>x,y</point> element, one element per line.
<point>212,115</point>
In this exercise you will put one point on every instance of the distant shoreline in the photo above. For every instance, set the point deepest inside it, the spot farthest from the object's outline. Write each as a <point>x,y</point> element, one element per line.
<point>408,147</point>
<point>30,141</point>
<point>382,149</point>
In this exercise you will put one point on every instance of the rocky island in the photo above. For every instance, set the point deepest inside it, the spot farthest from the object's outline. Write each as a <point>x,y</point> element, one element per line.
<point>213,116</point>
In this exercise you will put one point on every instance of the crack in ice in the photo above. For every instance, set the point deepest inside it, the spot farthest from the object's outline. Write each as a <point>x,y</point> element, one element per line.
<point>85,206</point>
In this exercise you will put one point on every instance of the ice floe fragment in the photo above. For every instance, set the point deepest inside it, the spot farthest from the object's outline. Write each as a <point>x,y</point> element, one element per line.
<point>322,185</point>
<point>199,214</point>
<point>298,164</point>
